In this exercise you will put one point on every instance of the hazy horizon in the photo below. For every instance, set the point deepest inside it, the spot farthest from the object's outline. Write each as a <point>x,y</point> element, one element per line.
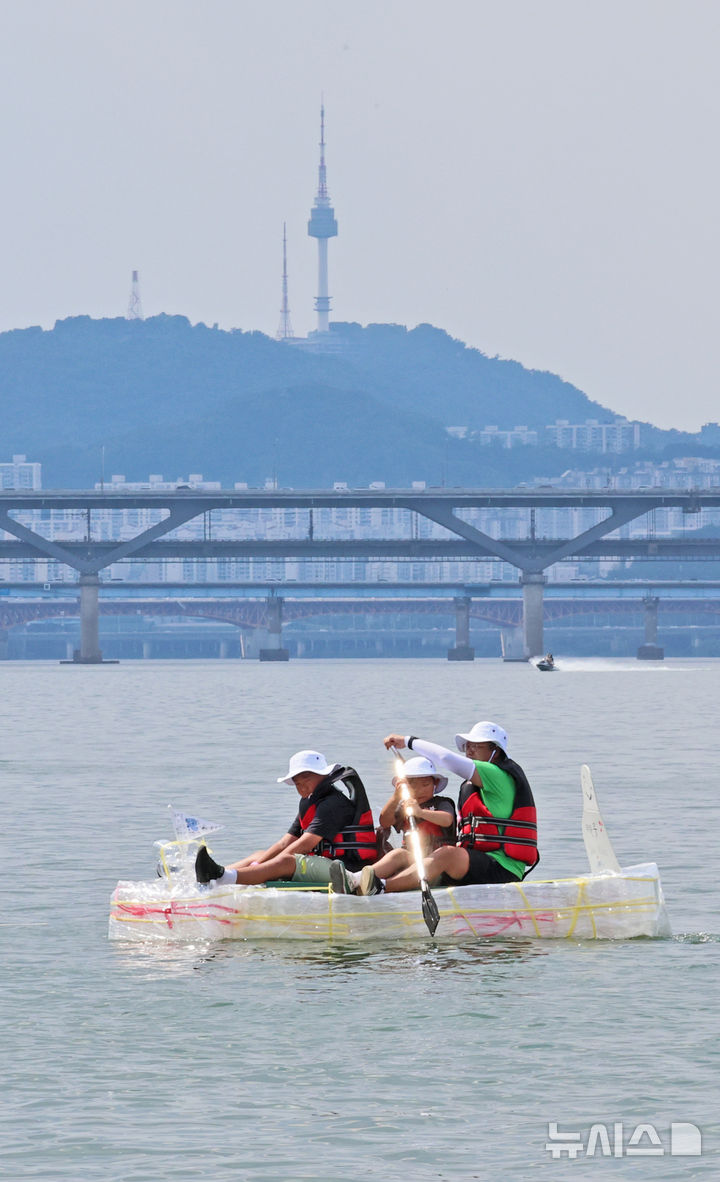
<point>536,180</point>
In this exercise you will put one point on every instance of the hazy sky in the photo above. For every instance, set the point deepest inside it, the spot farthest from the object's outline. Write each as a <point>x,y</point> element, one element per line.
<point>538,177</point>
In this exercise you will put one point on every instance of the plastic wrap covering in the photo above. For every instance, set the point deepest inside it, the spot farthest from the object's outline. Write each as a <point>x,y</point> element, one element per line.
<point>594,906</point>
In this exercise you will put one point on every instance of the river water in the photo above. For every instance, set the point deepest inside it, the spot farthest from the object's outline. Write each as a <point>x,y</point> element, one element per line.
<point>274,1062</point>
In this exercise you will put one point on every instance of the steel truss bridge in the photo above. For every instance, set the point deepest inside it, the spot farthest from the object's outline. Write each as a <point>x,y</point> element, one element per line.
<point>531,555</point>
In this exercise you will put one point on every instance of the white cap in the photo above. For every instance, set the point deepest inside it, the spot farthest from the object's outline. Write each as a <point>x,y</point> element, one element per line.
<point>420,766</point>
<point>483,732</point>
<point>306,761</point>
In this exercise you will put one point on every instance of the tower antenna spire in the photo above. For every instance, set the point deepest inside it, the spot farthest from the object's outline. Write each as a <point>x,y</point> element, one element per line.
<point>322,225</point>
<point>322,193</point>
<point>285,328</point>
<point>135,311</point>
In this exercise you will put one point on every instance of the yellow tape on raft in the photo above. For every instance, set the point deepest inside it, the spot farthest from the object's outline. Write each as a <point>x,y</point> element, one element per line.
<point>562,909</point>
<point>309,924</point>
<point>528,907</point>
<point>408,918</point>
<point>456,910</point>
<point>169,844</point>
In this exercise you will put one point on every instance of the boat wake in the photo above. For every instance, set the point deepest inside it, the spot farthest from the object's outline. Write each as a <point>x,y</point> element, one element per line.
<point>609,665</point>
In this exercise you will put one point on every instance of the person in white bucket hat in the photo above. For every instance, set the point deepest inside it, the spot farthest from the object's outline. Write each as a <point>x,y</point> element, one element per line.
<point>434,814</point>
<point>334,821</point>
<point>483,733</point>
<point>497,822</point>
<point>306,761</point>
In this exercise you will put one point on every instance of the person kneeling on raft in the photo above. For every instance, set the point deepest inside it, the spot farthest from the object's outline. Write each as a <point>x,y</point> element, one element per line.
<point>334,821</point>
<point>434,816</point>
<point>495,790</point>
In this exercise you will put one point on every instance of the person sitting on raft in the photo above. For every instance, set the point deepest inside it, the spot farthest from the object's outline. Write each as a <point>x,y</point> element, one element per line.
<point>434,815</point>
<point>334,821</point>
<point>497,824</point>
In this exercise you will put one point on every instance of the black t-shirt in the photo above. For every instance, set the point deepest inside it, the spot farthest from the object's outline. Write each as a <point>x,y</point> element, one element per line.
<point>333,813</point>
<point>442,804</point>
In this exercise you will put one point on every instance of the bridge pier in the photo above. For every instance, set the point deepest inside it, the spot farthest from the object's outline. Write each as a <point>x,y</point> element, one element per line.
<point>532,584</point>
<point>274,650</point>
<point>89,652</point>
<point>462,650</point>
<point>651,650</point>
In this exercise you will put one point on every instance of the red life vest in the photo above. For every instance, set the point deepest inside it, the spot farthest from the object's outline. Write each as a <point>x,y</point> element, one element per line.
<point>434,836</point>
<point>515,835</point>
<point>358,838</point>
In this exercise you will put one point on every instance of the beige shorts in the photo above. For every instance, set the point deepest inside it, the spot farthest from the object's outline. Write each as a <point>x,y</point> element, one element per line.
<point>311,869</point>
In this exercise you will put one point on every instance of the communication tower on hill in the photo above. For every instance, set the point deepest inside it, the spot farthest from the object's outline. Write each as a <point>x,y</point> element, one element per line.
<point>135,311</point>
<point>285,328</point>
<point>322,225</point>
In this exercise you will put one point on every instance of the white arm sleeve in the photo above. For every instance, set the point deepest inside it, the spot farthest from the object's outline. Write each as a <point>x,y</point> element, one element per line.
<point>444,759</point>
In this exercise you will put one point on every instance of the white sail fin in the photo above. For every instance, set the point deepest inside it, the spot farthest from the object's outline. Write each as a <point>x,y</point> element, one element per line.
<point>598,846</point>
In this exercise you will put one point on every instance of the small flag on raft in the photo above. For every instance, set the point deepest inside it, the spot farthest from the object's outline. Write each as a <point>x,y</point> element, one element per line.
<point>187,828</point>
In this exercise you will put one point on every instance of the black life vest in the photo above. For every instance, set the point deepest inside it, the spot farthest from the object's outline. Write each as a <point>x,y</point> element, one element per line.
<point>515,835</point>
<point>434,836</point>
<point>358,838</point>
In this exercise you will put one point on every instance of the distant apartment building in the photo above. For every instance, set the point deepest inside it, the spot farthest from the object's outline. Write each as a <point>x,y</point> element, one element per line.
<point>592,435</point>
<point>686,472</point>
<point>493,436</point>
<point>518,437</point>
<point>620,435</point>
<point>19,474</point>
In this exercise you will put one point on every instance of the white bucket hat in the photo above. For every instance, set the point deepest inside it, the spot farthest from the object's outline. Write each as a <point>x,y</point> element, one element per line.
<point>420,766</point>
<point>483,732</point>
<point>306,761</point>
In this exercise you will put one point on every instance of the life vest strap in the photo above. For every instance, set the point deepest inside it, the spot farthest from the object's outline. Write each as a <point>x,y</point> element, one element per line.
<point>350,845</point>
<point>475,826</point>
<point>507,840</point>
<point>504,821</point>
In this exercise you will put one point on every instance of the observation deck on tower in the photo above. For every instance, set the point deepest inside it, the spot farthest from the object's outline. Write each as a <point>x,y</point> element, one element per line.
<point>322,225</point>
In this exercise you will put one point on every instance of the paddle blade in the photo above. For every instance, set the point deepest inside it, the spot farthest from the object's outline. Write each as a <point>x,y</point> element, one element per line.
<point>431,915</point>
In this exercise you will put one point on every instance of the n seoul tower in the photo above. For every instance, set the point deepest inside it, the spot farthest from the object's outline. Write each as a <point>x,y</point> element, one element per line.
<point>322,225</point>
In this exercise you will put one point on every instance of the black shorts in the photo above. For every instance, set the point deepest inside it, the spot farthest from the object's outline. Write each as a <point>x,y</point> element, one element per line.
<point>483,868</point>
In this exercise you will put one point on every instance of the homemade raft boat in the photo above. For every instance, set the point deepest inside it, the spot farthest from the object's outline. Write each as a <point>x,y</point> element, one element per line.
<point>608,903</point>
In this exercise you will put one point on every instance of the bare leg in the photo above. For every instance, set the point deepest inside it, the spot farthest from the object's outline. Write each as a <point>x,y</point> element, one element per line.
<point>248,860</point>
<point>391,863</point>
<point>281,866</point>
<point>449,859</point>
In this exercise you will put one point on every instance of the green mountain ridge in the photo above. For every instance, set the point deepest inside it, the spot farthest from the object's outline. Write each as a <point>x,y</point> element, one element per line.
<point>162,395</point>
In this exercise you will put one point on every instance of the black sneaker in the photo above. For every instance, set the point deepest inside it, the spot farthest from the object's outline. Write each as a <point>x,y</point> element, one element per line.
<point>205,868</point>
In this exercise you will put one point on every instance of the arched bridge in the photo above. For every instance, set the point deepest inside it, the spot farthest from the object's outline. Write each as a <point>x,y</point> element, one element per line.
<point>259,613</point>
